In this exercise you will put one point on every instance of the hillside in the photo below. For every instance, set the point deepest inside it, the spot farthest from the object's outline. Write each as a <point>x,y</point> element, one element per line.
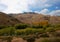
<point>28,18</point>
<point>7,20</point>
<point>34,18</point>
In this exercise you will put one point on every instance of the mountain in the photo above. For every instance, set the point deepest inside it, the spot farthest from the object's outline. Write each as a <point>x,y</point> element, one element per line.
<point>34,18</point>
<point>7,20</point>
<point>28,18</point>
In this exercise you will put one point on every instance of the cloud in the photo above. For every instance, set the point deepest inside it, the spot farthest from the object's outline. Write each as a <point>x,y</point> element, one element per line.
<point>19,6</point>
<point>15,6</point>
<point>39,4</point>
<point>2,7</point>
<point>53,1</point>
<point>44,11</point>
<point>55,12</point>
<point>48,5</point>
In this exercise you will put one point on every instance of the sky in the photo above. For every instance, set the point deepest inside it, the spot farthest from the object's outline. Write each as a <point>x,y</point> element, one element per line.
<point>49,7</point>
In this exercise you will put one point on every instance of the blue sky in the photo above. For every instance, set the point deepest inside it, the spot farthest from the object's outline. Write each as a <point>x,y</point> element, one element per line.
<point>38,6</point>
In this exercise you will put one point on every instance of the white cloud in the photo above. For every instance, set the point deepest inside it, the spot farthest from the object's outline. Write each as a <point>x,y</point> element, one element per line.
<point>48,5</point>
<point>40,4</point>
<point>55,12</point>
<point>44,11</point>
<point>17,6</point>
<point>2,7</point>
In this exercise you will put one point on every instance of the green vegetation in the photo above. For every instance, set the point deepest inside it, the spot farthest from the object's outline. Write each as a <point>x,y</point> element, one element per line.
<point>24,29</point>
<point>31,33</point>
<point>21,26</point>
<point>7,31</point>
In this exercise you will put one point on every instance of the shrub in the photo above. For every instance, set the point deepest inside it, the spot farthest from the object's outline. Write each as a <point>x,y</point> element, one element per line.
<point>21,26</point>
<point>57,28</point>
<point>20,32</point>
<point>7,31</point>
<point>1,32</point>
<point>57,25</point>
<point>37,26</point>
<point>28,31</point>
<point>50,29</point>
<point>2,26</point>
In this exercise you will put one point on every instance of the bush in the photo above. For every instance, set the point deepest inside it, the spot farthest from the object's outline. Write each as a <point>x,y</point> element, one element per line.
<point>37,26</point>
<point>1,32</point>
<point>2,26</point>
<point>21,26</point>
<point>50,29</point>
<point>28,31</point>
<point>7,31</point>
<point>58,28</point>
<point>20,32</point>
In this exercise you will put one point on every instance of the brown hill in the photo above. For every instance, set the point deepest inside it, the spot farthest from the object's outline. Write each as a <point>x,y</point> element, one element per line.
<point>7,20</point>
<point>34,18</point>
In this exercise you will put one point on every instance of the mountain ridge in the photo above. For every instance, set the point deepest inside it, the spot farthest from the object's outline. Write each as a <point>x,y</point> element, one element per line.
<point>30,18</point>
<point>11,19</point>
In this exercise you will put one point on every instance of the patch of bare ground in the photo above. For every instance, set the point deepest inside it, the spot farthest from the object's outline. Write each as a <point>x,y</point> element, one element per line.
<point>11,39</point>
<point>15,39</point>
